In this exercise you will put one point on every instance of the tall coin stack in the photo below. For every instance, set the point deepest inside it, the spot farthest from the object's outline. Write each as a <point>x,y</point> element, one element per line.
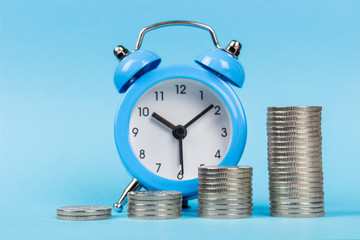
<point>295,162</point>
<point>225,192</point>
<point>154,205</point>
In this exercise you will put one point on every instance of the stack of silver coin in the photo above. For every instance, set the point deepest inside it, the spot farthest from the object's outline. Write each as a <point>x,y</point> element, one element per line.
<point>295,162</point>
<point>154,205</point>
<point>83,213</point>
<point>225,192</point>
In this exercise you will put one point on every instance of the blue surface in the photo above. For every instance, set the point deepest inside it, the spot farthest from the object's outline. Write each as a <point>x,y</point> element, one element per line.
<point>57,107</point>
<point>136,168</point>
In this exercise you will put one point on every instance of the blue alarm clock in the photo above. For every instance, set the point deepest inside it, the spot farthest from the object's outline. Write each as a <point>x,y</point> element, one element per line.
<point>175,119</point>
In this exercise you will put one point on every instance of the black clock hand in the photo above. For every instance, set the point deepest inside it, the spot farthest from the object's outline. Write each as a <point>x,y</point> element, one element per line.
<point>181,156</point>
<point>199,116</point>
<point>163,121</point>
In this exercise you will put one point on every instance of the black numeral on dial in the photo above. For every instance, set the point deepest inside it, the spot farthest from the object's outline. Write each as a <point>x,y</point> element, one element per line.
<point>159,96</point>
<point>159,165</point>
<point>224,132</point>
<point>217,110</point>
<point>142,154</point>
<point>180,89</point>
<point>217,154</point>
<point>180,175</point>
<point>135,131</point>
<point>143,112</point>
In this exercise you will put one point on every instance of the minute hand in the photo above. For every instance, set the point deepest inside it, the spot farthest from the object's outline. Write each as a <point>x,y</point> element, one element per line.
<point>199,115</point>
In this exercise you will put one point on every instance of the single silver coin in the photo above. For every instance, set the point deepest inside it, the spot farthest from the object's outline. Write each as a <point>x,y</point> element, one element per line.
<point>319,194</point>
<point>224,200</point>
<point>295,185</point>
<point>279,139</point>
<point>301,118</point>
<point>224,190</point>
<point>296,108</point>
<point>225,169</point>
<point>297,215</point>
<point>271,130</point>
<point>295,174</point>
<point>82,217</point>
<point>317,154</point>
<point>293,114</point>
<point>153,211</point>
<point>295,169</point>
<point>295,124</point>
<point>297,204</point>
<point>85,210</point>
<point>224,175</point>
<point>214,206</point>
<point>295,164</point>
<point>154,195</point>
<point>154,206</point>
<point>224,185</point>
<point>224,216</point>
<point>295,189</point>
<point>154,217</point>
<point>225,195</point>
<point>293,144</point>
<point>224,180</point>
<point>287,134</point>
<point>297,210</point>
<point>224,211</point>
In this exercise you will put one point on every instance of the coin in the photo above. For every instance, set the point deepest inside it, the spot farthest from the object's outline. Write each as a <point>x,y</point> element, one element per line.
<point>295,164</point>
<point>224,175</point>
<point>295,108</point>
<point>297,210</point>
<point>223,195</point>
<point>154,206</point>
<point>294,144</point>
<point>295,189</point>
<point>312,118</point>
<point>225,216</point>
<point>225,169</point>
<point>224,185</point>
<point>154,216</point>
<point>295,124</point>
<point>83,217</point>
<point>297,215</point>
<point>224,180</point>
<point>154,195</point>
<point>294,139</point>
<point>224,200</point>
<point>218,206</point>
<point>297,204</point>
<point>295,169</point>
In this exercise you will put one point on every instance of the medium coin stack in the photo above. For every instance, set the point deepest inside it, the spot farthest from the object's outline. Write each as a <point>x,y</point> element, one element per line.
<point>295,162</point>
<point>154,205</point>
<point>225,192</point>
<point>82,213</point>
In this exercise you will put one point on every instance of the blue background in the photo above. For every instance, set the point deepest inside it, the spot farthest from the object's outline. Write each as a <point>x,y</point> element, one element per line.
<point>58,102</point>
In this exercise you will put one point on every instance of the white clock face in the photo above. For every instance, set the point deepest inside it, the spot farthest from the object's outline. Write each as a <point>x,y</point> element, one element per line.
<point>178,125</point>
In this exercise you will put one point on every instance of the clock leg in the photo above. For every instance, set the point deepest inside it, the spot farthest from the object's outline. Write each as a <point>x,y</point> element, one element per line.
<point>133,186</point>
<point>185,203</point>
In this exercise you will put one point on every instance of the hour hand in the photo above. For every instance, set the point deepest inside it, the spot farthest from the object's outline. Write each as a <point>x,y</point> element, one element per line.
<point>163,121</point>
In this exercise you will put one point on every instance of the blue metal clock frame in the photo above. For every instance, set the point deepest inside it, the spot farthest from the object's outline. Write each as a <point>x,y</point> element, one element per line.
<point>139,87</point>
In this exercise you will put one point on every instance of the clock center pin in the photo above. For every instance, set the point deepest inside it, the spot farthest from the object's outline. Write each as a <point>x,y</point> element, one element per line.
<point>179,132</point>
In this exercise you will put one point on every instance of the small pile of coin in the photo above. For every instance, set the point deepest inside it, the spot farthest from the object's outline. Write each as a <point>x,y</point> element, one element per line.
<point>225,192</point>
<point>83,213</point>
<point>154,205</point>
<point>295,162</point>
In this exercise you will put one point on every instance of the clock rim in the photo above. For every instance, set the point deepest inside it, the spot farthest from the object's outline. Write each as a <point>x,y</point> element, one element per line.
<point>122,119</point>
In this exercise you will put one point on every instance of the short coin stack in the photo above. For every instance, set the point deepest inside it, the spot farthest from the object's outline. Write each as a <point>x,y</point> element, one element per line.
<point>82,213</point>
<point>225,192</point>
<point>295,162</point>
<point>154,205</point>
